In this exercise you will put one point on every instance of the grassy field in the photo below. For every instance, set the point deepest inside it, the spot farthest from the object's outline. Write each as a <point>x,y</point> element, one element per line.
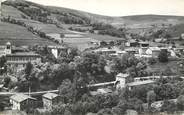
<point>102,37</point>
<point>46,28</point>
<point>11,11</point>
<point>19,35</point>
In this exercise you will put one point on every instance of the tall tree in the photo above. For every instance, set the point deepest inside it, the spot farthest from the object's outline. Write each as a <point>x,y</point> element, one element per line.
<point>163,56</point>
<point>151,97</point>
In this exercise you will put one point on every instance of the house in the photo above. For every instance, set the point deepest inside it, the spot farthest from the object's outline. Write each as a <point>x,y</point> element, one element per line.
<point>49,100</point>
<point>100,91</point>
<point>143,44</point>
<point>139,83</point>
<point>153,51</point>
<point>131,50</point>
<point>5,49</point>
<point>105,51</point>
<point>182,36</point>
<point>142,50</point>
<point>56,50</point>
<point>132,43</point>
<point>121,80</point>
<point>22,102</point>
<point>20,59</point>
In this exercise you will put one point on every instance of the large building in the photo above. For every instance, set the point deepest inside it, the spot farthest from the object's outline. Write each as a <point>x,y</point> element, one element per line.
<point>18,58</point>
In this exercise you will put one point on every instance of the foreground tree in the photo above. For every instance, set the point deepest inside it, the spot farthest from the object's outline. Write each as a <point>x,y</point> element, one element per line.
<point>180,102</point>
<point>151,97</point>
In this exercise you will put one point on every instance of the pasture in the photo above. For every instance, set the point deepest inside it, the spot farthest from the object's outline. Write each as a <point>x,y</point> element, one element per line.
<point>19,35</point>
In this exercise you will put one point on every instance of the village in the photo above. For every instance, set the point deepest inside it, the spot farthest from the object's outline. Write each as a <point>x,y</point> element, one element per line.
<point>18,57</point>
<point>61,61</point>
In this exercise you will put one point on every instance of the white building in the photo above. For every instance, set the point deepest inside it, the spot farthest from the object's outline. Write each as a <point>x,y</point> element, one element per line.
<point>6,49</point>
<point>56,50</point>
<point>153,51</point>
<point>21,102</point>
<point>121,80</point>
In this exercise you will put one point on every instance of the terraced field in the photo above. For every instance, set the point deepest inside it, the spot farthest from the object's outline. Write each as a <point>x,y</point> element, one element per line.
<point>19,35</point>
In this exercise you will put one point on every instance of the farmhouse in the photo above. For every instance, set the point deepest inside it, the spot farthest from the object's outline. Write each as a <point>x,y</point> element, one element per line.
<point>144,44</point>
<point>153,51</point>
<point>50,99</point>
<point>132,43</point>
<point>139,83</point>
<point>105,51</point>
<point>56,50</point>
<point>6,49</point>
<point>101,91</point>
<point>22,102</point>
<point>121,80</point>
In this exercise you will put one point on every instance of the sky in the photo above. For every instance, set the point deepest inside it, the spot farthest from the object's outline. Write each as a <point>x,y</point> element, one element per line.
<point>121,7</point>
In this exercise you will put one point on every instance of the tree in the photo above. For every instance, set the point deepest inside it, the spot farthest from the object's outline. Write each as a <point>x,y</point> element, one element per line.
<point>67,91</point>
<point>103,43</point>
<point>163,56</point>
<point>151,97</point>
<point>169,106</point>
<point>28,70</point>
<point>106,111</point>
<point>2,61</point>
<point>180,102</point>
<point>2,64</point>
<point>7,81</point>
<point>165,91</point>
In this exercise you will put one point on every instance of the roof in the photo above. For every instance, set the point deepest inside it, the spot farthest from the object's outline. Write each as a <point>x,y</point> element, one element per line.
<point>143,42</point>
<point>131,49</point>
<point>104,50</point>
<point>23,54</point>
<point>154,48</point>
<point>101,91</point>
<point>8,43</point>
<point>122,75</point>
<point>104,90</point>
<point>132,41</point>
<point>101,84</point>
<point>50,95</point>
<point>21,97</point>
<point>57,47</point>
<point>140,83</point>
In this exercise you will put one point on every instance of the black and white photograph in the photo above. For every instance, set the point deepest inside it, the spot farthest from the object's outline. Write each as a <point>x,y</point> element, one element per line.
<point>91,57</point>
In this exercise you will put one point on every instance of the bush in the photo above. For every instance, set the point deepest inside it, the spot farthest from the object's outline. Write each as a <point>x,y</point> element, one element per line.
<point>163,56</point>
<point>152,61</point>
<point>180,102</point>
<point>169,106</point>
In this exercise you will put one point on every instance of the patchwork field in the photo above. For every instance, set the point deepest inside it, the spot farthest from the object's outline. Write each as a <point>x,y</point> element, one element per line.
<point>19,35</point>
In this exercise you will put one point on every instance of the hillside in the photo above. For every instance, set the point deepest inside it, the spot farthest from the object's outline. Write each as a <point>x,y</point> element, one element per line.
<point>19,35</point>
<point>56,20</point>
<point>62,14</point>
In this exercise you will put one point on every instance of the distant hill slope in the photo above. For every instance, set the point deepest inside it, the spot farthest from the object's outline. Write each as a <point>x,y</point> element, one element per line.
<point>62,14</point>
<point>47,17</point>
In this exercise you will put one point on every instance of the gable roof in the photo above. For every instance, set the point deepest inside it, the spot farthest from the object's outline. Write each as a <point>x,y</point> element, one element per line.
<point>50,95</point>
<point>21,97</point>
<point>122,75</point>
<point>137,83</point>
<point>154,48</point>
